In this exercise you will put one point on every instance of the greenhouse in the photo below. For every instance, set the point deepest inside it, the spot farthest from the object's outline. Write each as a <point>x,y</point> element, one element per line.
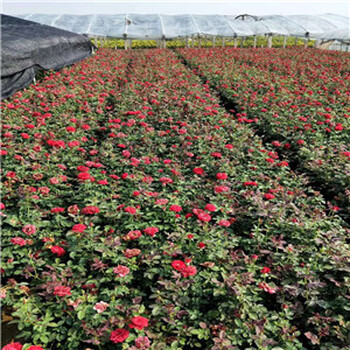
<point>157,27</point>
<point>175,182</point>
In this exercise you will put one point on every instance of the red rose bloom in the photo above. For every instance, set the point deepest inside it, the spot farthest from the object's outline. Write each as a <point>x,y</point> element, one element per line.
<point>250,183</point>
<point>90,210</point>
<point>79,228</point>
<point>130,210</point>
<point>198,171</point>
<point>151,231</point>
<point>62,291</point>
<point>269,196</point>
<point>204,217</point>
<point>29,230</point>
<point>130,253</point>
<point>220,189</point>
<point>138,322</point>
<point>121,270</point>
<point>119,335</point>
<point>84,176</point>
<point>178,265</point>
<point>18,241</point>
<point>57,210</point>
<point>188,271</point>
<point>221,176</point>
<point>265,270</point>
<point>35,347</point>
<point>210,207</point>
<point>224,223</point>
<point>58,250</point>
<point>133,235</point>
<point>13,346</point>
<point>175,208</point>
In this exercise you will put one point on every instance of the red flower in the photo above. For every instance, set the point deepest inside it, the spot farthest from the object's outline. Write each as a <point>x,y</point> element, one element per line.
<point>13,346</point>
<point>338,127</point>
<point>178,265</point>
<point>188,271</point>
<point>130,210</point>
<point>198,171</point>
<point>210,207</point>
<point>29,230</point>
<point>265,270</point>
<point>204,217</point>
<point>224,223</point>
<point>62,291</point>
<point>216,154</point>
<point>18,241</point>
<point>250,183</point>
<point>201,245</point>
<point>121,270</point>
<point>151,231</point>
<point>133,235</point>
<point>269,196</point>
<point>138,322</point>
<point>58,250</point>
<point>119,335</point>
<point>90,210</point>
<point>175,208</point>
<point>130,253</point>
<point>83,168</point>
<point>35,347</point>
<point>220,189</point>
<point>84,176</point>
<point>221,176</point>
<point>79,228</point>
<point>57,210</point>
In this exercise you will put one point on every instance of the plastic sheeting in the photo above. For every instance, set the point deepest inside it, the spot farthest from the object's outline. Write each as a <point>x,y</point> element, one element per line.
<point>28,46</point>
<point>154,26</point>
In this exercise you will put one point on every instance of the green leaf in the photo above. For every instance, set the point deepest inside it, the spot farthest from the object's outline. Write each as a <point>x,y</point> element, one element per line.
<point>81,314</point>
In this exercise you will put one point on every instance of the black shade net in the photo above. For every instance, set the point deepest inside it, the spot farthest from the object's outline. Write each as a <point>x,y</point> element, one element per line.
<point>29,46</point>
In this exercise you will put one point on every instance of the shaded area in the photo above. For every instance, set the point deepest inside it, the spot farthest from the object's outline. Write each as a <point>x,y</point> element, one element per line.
<point>28,46</point>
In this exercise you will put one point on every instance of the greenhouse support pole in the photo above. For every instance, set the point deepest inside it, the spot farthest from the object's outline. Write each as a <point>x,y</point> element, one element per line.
<point>235,41</point>
<point>200,42</point>
<point>95,41</point>
<point>214,39</point>
<point>269,41</point>
<point>163,44</point>
<point>296,41</point>
<point>125,44</point>
<point>306,42</point>
<point>254,41</point>
<point>223,42</point>
<point>187,42</point>
<point>242,41</point>
<point>284,41</point>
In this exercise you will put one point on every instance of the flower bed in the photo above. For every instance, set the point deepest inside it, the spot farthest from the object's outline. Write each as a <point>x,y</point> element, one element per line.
<point>137,213</point>
<point>297,99</point>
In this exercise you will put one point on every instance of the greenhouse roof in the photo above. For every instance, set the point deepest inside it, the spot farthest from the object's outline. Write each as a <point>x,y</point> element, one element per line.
<point>156,26</point>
